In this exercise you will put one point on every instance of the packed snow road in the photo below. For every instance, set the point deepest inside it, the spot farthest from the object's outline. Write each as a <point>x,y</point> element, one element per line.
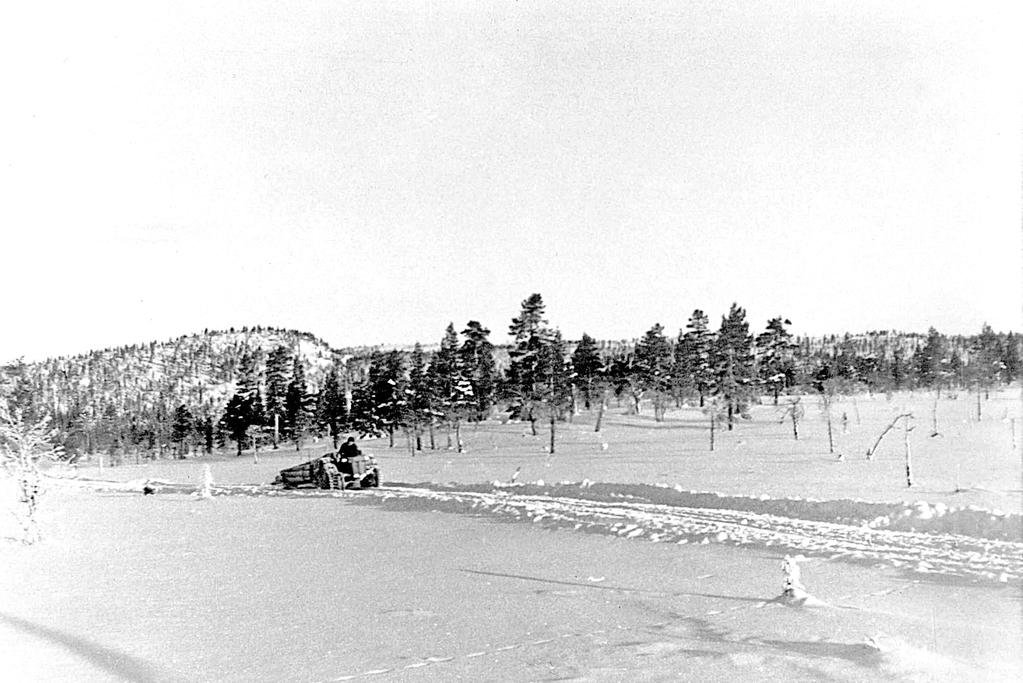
<point>926,553</point>
<point>617,514</point>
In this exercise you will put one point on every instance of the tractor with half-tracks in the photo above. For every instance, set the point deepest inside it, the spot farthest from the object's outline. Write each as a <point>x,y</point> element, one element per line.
<point>332,471</point>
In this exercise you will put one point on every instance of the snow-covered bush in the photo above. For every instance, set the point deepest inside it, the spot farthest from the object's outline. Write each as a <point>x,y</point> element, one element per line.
<point>22,447</point>
<point>206,488</point>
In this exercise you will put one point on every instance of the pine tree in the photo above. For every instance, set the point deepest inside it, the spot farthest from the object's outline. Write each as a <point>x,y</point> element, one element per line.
<point>477,358</point>
<point>249,376</point>
<point>555,392</point>
<point>244,410</point>
<point>653,364</point>
<point>182,428</point>
<point>421,399</point>
<point>897,369</point>
<point>775,350</point>
<point>626,378</point>
<point>693,355</point>
<point>587,364</point>
<point>257,415</point>
<point>237,419</point>
<point>204,429</point>
<point>363,414</point>
<point>278,364</point>
<point>452,388</point>
<point>733,362</point>
<point>524,381</point>
<point>297,404</point>
<point>1011,358</point>
<point>387,398</point>
<point>331,410</point>
<point>930,361</point>
<point>985,359</point>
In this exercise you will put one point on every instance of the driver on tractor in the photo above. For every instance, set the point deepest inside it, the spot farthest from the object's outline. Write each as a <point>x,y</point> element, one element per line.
<point>348,449</point>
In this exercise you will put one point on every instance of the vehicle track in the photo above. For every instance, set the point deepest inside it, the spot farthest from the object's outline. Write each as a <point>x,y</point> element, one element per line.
<point>927,553</point>
<point>923,552</point>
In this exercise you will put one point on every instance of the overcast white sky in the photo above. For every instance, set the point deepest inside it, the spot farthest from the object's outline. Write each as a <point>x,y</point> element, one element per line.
<point>370,171</point>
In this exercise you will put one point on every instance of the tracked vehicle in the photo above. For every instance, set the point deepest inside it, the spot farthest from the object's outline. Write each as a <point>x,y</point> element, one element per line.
<point>332,471</point>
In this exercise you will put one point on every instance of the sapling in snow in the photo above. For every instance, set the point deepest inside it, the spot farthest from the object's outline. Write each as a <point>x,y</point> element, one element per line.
<point>793,411</point>
<point>792,586</point>
<point>22,447</point>
<point>206,488</point>
<point>793,592</point>
<point>906,417</point>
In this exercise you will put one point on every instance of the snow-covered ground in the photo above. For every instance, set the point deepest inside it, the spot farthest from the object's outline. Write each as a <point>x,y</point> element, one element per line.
<point>634,554</point>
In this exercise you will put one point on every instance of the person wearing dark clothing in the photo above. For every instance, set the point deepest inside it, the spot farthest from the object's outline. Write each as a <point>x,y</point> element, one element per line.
<point>345,454</point>
<point>349,449</point>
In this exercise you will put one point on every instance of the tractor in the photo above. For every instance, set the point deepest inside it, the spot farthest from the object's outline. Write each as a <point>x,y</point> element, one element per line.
<point>332,471</point>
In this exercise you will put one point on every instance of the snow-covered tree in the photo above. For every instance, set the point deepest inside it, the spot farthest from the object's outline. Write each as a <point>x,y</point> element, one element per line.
<point>23,446</point>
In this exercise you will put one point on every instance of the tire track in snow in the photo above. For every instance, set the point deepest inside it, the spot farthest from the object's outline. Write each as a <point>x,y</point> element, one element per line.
<point>945,554</point>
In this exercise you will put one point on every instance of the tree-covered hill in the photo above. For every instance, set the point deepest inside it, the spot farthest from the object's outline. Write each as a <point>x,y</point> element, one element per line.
<point>127,396</point>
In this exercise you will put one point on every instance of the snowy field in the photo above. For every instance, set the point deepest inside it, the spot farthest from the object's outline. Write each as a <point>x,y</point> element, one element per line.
<point>633,554</point>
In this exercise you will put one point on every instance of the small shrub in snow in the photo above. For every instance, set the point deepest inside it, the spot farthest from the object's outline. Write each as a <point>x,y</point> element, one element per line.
<point>792,586</point>
<point>206,488</point>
